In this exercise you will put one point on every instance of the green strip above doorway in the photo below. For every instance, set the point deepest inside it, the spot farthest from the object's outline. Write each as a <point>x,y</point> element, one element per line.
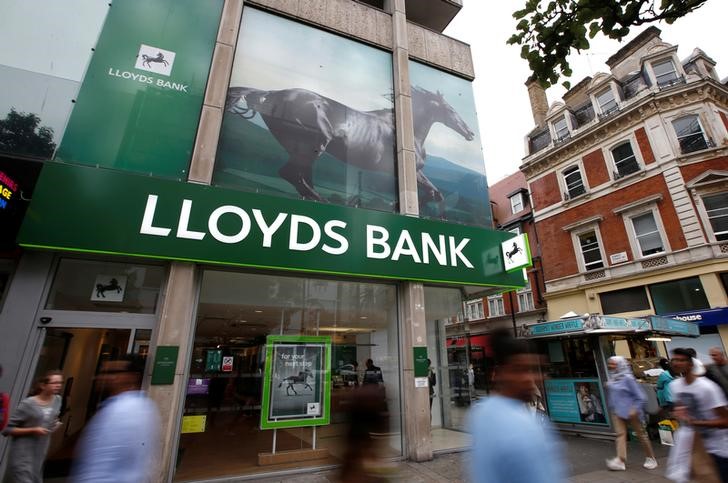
<point>98,210</point>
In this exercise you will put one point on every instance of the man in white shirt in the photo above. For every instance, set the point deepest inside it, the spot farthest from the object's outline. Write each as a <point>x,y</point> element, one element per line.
<point>701,404</point>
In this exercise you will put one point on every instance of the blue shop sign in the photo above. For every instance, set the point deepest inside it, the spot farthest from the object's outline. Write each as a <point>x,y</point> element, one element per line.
<point>703,317</point>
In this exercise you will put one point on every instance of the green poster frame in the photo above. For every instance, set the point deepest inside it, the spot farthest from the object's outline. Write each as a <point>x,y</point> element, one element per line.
<point>271,341</point>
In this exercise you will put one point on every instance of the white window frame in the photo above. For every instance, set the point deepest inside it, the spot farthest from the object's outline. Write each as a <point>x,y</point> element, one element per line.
<point>706,216</point>
<point>701,124</point>
<point>525,294</point>
<point>564,185</point>
<point>502,307</point>
<point>628,216</point>
<point>556,131</point>
<point>516,230</point>
<point>615,98</point>
<point>677,71</point>
<point>635,152</point>
<point>475,309</point>
<point>517,200</point>
<point>576,241</point>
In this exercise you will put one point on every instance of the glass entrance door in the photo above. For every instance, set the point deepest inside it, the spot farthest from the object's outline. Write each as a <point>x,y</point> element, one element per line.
<point>79,353</point>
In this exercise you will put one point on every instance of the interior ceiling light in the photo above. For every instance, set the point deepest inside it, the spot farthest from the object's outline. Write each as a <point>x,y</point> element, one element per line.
<point>363,317</point>
<point>659,338</point>
<point>258,311</point>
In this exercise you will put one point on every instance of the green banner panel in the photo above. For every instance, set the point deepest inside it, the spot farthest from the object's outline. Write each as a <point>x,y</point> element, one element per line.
<point>165,362</point>
<point>145,84</point>
<point>422,368</point>
<point>297,382</point>
<point>106,211</point>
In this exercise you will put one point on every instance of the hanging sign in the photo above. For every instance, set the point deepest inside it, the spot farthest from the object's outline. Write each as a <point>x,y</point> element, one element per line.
<point>516,253</point>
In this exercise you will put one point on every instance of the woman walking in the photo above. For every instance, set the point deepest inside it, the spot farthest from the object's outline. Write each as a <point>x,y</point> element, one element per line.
<point>30,427</point>
<point>664,397</point>
<point>627,402</point>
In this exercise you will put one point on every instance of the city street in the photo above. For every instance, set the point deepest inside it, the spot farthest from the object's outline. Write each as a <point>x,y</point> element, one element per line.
<point>585,458</point>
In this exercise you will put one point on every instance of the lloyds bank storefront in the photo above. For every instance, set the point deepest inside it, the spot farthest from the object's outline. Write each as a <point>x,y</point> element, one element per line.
<point>257,229</point>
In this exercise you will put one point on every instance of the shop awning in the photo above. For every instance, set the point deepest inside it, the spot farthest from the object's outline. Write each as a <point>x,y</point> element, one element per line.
<point>602,324</point>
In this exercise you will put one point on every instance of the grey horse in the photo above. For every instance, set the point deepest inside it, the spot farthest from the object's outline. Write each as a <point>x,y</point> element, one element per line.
<point>307,124</point>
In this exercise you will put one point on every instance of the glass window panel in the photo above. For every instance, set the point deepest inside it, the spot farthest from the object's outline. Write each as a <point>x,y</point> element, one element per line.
<point>574,182</point>
<point>561,128</point>
<point>89,285</point>
<point>590,251</point>
<point>678,296</point>
<point>624,159</point>
<point>516,203</point>
<point>716,206</point>
<point>664,72</point>
<point>525,301</point>
<point>236,312</point>
<point>690,134</point>
<point>625,300</point>
<point>606,101</point>
<point>648,236</point>
<point>40,79</point>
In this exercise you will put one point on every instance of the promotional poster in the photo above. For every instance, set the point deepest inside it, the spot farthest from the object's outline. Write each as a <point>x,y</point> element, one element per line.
<point>576,401</point>
<point>309,115</point>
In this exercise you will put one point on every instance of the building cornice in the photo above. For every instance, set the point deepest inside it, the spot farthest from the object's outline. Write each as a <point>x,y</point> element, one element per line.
<point>630,116</point>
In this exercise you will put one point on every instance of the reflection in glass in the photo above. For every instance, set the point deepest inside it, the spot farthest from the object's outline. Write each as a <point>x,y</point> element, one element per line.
<point>308,115</point>
<point>235,314</point>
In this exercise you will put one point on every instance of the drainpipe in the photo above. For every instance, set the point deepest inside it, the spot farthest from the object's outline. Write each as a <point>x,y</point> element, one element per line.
<point>513,314</point>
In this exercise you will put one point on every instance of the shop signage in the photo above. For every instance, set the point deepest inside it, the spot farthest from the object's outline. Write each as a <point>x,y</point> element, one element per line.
<point>703,317</point>
<point>145,83</point>
<point>165,363</point>
<point>576,401</point>
<point>193,424</point>
<point>171,220</point>
<point>673,326</point>
<point>297,382</point>
<point>109,288</point>
<point>422,368</point>
<point>516,253</point>
<point>552,328</point>
<point>8,187</point>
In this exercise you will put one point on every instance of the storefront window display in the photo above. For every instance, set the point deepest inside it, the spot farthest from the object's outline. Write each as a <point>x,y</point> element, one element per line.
<point>220,427</point>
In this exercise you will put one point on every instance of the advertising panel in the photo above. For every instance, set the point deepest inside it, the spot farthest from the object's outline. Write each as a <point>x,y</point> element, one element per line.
<point>187,221</point>
<point>145,83</point>
<point>40,75</point>
<point>308,115</point>
<point>297,382</point>
<point>576,401</point>
<point>450,169</point>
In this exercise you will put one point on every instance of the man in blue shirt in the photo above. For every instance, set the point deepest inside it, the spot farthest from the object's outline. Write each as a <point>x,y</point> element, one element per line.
<point>511,445</point>
<point>120,443</point>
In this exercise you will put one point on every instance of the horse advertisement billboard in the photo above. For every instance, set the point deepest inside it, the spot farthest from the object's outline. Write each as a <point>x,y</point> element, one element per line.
<point>310,115</point>
<point>451,179</point>
<point>297,382</point>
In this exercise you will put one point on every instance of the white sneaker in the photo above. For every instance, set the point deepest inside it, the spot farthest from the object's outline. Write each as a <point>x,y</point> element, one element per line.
<point>616,464</point>
<point>650,463</point>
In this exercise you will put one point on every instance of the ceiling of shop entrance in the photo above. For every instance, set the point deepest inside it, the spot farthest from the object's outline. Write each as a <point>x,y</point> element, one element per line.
<point>250,305</point>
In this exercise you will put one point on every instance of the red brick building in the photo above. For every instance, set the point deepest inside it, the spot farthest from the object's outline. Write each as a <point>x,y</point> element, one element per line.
<point>628,176</point>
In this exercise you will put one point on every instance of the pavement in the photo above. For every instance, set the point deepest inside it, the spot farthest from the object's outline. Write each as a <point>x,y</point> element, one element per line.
<point>585,457</point>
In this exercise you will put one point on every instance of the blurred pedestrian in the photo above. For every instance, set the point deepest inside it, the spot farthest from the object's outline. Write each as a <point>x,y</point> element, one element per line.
<point>372,373</point>
<point>30,427</point>
<point>120,443</point>
<point>367,418</point>
<point>627,401</point>
<point>4,406</point>
<point>698,366</point>
<point>701,407</point>
<point>664,397</point>
<point>718,370</point>
<point>431,383</point>
<point>510,445</point>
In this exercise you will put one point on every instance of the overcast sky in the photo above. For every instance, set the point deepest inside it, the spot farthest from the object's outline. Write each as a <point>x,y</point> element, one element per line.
<point>504,113</point>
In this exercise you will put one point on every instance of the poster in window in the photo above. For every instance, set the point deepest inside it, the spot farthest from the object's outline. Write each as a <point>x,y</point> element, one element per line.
<point>109,288</point>
<point>309,115</point>
<point>451,177</point>
<point>296,387</point>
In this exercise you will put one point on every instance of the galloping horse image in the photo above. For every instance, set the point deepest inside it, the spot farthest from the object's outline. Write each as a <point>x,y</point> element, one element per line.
<point>148,59</point>
<point>513,251</point>
<point>301,378</point>
<point>307,124</point>
<point>101,289</point>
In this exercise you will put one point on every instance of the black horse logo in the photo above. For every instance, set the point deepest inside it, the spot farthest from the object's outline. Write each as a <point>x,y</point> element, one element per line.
<point>149,59</point>
<point>301,378</point>
<point>112,286</point>
<point>515,250</point>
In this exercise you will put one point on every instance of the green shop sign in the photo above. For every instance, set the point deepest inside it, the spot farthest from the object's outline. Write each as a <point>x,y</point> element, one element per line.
<point>106,211</point>
<point>146,82</point>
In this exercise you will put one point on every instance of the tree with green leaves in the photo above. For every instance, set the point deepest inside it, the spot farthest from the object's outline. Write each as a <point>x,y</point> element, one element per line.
<point>20,134</point>
<point>548,30</point>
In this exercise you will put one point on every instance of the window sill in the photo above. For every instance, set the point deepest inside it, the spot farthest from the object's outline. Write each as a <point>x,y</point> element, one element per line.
<point>641,174</point>
<point>568,201</point>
